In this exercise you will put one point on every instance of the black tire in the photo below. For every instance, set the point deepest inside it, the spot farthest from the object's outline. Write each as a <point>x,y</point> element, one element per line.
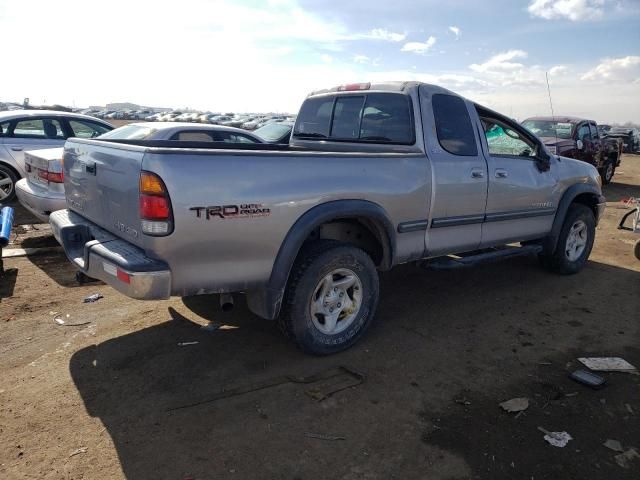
<point>608,172</point>
<point>636,250</point>
<point>559,261</point>
<point>315,262</point>
<point>8,190</point>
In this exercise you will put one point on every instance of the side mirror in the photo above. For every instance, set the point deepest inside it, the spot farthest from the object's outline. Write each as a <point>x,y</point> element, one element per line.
<point>580,145</point>
<point>543,160</point>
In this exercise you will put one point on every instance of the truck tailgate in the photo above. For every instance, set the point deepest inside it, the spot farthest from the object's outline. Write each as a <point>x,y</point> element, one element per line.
<point>101,183</point>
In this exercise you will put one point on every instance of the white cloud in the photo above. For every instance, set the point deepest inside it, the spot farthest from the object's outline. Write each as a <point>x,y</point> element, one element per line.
<point>419,47</point>
<point>574,10</point>
<point>361,59</point>
<point>455,31</point>
<point>558,70</point>
<point>326,58</point>
<point>500,62</point>
<point>626,69</point>
<point>383,34</point>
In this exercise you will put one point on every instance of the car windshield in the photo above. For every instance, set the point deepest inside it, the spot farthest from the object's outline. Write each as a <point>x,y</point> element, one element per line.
<point>549,128</point>
<point>130,132</point>
<point>273,131</point>
<point>619,130</point>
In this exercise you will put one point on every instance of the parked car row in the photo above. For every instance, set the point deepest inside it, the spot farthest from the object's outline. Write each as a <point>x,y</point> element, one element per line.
<point>41,191</point>
<point>249,121</point>
<point>246,121</point>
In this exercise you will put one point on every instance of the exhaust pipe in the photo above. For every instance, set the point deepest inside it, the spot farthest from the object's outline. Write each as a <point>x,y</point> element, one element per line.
<point>226,302</point>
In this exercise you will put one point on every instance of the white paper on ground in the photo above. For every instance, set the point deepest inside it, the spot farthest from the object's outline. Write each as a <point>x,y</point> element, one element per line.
<point>558,439</point>
<point>607,364</point>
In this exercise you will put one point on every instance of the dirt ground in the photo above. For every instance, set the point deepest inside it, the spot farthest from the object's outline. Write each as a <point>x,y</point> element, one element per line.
<point>119,396</point>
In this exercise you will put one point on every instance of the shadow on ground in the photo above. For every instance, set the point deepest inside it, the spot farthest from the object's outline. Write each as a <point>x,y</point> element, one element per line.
<point>7,280</point>
<point>616,192</point>
<point>57,267</point>
<point>446,349</point>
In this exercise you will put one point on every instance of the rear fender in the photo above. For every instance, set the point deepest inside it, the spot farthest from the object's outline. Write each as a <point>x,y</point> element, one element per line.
<point>266,302</point>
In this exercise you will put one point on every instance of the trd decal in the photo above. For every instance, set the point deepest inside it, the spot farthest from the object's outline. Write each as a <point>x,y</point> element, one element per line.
<point>244,210</point>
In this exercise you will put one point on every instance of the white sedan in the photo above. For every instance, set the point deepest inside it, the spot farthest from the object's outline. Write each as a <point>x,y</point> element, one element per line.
<point>185,132</point>
<point>22,130</point>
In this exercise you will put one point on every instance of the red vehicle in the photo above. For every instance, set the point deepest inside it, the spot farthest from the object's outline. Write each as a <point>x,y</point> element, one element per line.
<point>578,138</point>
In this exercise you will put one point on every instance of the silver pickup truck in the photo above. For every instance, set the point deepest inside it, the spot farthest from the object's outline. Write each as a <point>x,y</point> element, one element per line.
<point>375,175</point>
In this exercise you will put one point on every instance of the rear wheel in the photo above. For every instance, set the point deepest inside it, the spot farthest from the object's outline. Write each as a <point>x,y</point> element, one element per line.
<point>331,297</point>
<point>574,243</point>
<point>8,179</point>
<point>636,250</point>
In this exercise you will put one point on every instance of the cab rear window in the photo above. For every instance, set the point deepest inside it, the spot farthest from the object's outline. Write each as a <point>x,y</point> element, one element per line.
<point>369,118</point>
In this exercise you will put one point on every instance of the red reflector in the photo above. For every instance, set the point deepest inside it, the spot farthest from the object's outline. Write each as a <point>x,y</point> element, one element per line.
<point>350,87</point>
<point>154,208</point>
<point>123,276</point>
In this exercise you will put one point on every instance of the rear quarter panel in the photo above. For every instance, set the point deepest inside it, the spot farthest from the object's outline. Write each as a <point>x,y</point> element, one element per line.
<point>234,254</point>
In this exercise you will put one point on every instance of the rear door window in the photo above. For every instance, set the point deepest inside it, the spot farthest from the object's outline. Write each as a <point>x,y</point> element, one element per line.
<point>594,131</point>
<point>38,128</point>
<point>453,125</point>
<point>193,136</point>
<point>369,118</point>
<point>231,137</point>
<point>87,129</point>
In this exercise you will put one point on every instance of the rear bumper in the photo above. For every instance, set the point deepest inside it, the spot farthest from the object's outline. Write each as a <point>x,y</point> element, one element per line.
<point>40,203</point>
<point>100,254</point>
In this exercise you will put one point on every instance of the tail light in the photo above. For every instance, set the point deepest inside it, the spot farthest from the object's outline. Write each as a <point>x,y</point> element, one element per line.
<point>51,177</point>
<point>155,205</point>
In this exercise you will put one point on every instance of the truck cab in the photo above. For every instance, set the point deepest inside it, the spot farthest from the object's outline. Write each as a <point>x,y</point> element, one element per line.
<point>577,138</point>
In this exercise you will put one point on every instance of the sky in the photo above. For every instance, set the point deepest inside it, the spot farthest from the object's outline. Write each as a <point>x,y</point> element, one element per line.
<point>244,55</point>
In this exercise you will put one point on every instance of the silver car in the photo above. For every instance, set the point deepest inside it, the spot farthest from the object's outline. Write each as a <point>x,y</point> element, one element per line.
<point>42,191</point>
<point>22,130</point>
<point>184,132</point>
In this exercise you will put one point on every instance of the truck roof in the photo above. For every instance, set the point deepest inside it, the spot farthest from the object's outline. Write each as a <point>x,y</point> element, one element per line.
<point>392,86</point>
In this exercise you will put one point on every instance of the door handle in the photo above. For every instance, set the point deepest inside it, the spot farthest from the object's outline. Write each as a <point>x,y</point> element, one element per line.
<point>500,173</point>
<point>17,149</point>
<point>477,174</point>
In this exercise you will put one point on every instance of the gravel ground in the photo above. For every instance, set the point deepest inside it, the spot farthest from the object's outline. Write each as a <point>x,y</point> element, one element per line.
<point>116,395</point>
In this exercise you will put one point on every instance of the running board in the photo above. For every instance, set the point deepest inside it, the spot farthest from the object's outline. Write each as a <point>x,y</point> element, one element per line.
<point>452,262</point>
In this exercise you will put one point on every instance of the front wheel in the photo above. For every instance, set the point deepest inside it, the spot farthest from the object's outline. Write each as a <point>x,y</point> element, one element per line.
<point>636,250</point>
<point>607,172</point>
<point>574,243</point>
<point>331,297</point>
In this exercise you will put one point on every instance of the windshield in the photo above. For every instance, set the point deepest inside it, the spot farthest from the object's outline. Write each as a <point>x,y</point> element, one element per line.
<point>273,131</point>
<point>619,130</point>
<point>130,132</point>
<point>549,128</point>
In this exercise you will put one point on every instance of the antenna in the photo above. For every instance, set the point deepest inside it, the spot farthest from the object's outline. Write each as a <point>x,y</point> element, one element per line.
<point>546,74</point>
<point>555,130</point>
